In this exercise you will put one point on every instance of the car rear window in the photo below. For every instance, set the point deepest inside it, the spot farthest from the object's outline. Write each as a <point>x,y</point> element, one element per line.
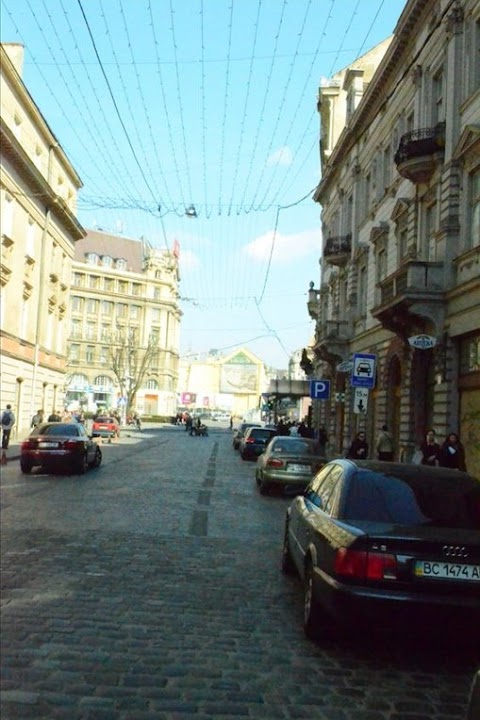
<point>444,499</point>
<point>67,429</point>
<point>294,447</point>
<point>260,433</point>
<point>104,420</point>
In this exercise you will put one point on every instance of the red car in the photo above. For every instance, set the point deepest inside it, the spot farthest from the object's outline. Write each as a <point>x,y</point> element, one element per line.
<point>105,426</point>
<point>58,445</point>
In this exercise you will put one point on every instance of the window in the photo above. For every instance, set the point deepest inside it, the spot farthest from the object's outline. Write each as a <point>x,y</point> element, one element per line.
<point>76,329</point>
<point>122,286</point>
<point>387,167</point>
<point>136,289</point>
<point>122,310</point>
<point>470,355</point>
<point>74,356</point>
<point>90,354</point>
<point>103,357</point>
<point>121,264</point>
<point>106,307</point>
<point>134,312</point>
<point>362,289</point>
<point>103,381</point>
<point>107,261</point>
<point>402,239</point>
<point>78,279</point>
<point>151,385</point>
<point>475,208</point>
<point>93,282</point>
<point>429,241</point>
<point>30,238</point>
<point>381,264</point>
<point>77,303</point>
<point>92,307</point>
<point>154,335</point>
<point>321,490</point>
<point>91,331</point>
<point>366,193</point>
<point>109,284</point>
<point>438,111</point>
<point>156,312</point>
<point>105,332</point>
<point>91,258</point>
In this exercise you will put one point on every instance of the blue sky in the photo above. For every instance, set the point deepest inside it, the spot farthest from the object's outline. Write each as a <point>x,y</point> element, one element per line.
<point>161,104</point>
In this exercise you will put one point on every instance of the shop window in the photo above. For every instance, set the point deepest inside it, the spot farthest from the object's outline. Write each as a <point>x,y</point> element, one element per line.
<point>470,354</point>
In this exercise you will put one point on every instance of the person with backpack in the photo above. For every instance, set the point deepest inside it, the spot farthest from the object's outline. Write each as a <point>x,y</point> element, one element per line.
<point>8,421</point>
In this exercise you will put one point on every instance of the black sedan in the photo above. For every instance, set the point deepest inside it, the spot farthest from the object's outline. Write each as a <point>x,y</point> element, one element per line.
<point>253,443</point>
<point>381,544</point>
<point>288,464</point>
<point>58,445</point>
<point>240,432</point>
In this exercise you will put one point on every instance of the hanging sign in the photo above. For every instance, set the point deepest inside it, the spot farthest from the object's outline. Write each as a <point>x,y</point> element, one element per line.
<point>422,342</point>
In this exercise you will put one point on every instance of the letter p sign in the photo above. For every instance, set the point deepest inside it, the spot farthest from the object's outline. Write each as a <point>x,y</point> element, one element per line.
<point>319,389</point>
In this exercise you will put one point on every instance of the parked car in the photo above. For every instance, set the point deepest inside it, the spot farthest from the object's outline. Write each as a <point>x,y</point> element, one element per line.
<point>239,433</point>
<point>288,463</point>
<point>254,441</point>
<point>473,709</point>
<point>387,544</point>
<point>105,426</point>
<point>58,445</point>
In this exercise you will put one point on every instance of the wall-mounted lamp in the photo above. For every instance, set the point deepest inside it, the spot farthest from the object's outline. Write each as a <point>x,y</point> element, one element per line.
<point>191,212</point>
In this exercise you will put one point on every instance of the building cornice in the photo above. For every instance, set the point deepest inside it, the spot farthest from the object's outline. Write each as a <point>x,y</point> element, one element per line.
<point>15,153</point>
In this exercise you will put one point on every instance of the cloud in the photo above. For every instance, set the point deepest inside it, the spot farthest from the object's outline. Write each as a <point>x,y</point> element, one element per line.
<point>189,260</point>
<point>287,248</point>
<point>282,156</point>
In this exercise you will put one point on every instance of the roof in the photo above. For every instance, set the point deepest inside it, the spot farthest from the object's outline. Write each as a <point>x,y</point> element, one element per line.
<point>113,246</point>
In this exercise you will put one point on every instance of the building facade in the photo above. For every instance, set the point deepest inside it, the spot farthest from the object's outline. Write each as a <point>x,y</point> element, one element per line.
<point>124,326</point>
<point>400,199</point>
<point>39,229</point>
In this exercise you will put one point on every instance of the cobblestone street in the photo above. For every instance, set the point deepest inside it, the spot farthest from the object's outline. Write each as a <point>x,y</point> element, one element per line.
<point>151,589</point>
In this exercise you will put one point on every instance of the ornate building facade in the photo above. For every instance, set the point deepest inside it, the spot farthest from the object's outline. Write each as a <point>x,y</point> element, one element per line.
<point>400,198</point>
<point>123,292</point>
<point>39,229</point>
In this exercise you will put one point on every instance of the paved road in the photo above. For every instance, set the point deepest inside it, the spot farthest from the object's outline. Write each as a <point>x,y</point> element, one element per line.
<point>150,590</point>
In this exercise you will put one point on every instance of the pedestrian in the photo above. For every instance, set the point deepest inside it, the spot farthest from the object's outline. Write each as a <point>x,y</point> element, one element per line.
<point>452,453</point>
<point>54,417</point>
<point>385,444</point>
<point>358,449</point>
<point>430,450</point>
<point>8,421</point>
<point>322,438</point>
<point>37,419</point>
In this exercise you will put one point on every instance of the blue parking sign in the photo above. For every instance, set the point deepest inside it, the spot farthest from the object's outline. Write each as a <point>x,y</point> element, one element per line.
<point>363,373</point>
<point>319,389</point>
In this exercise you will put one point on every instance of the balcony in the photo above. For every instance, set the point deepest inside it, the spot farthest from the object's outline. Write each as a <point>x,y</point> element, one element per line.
<point>332,339</point>
<point>338,249</point>
<point>314,304</point>
<point>410,297</point>
<point>419,152</point>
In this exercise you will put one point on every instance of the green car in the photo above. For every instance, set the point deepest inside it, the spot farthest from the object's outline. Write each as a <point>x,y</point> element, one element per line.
<point>288,463</point>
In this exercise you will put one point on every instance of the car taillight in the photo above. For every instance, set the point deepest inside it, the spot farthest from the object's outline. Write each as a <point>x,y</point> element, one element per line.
<point>28,444</point>
<point>275,463</point>
<point>250,440</point>
<point>365,565</point>
<point>70,444</point>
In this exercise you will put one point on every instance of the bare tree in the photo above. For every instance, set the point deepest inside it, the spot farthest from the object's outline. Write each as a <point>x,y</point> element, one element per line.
<point>130,362</point>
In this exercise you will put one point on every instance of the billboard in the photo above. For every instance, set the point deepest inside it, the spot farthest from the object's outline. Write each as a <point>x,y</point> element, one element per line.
<point>237,378</point>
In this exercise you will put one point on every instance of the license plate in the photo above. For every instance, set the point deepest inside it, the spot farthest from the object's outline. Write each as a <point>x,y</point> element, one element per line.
<point>48,444</point>
<point>296,468</point>
<point>447,570</point>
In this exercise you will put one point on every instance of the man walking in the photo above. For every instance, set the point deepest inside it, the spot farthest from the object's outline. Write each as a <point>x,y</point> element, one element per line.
<point>8,421</point>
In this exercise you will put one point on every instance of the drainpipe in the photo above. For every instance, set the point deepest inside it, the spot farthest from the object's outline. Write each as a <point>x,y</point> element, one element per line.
<point>42,288</point>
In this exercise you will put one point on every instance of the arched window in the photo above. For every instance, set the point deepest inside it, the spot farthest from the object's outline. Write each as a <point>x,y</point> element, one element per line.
<point>78,382</point>
<point>103,381</point>
<point>92,258</point>
<point>121,264</point>
<point>107,260</point>
<point>151,384</point>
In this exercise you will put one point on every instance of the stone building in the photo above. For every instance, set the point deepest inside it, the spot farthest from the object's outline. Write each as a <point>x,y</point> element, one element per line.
<point>124,292</point>
<point>39,229</point>
<point>400,199</point>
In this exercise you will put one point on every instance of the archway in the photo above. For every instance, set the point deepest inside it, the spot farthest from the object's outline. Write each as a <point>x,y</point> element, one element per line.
<point>422,399</point>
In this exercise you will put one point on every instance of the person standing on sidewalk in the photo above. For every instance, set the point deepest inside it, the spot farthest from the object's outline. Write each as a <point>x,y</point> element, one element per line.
<point>385,446</point>
<point>8,421</point>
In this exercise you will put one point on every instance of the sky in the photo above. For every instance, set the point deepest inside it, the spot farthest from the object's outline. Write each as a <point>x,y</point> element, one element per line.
<point>167,105</point>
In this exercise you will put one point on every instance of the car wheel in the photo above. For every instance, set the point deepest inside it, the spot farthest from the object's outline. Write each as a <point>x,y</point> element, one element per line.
<point>97,459</point>
<point>26,467</point>
<point>311,611</point>
<point>263,487</point>
<point>82,464</point>
<point>287,562</point>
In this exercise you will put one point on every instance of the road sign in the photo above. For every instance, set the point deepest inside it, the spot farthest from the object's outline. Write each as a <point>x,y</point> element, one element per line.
<point>340,397</point>
<point>360,401</point>
<point>363,373</point>
<point>319,389</point>
<point>422,342</point>
<point>345,366</point>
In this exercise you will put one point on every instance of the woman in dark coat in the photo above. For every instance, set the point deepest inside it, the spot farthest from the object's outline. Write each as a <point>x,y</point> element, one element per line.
<point>430,450</point>
<point>358,450</point>
<point>452,453</point>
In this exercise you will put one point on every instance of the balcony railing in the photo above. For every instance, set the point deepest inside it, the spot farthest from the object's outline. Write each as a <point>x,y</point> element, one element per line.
<point>337,250</point>
<point>416,280</point>
<point>416,154</point>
